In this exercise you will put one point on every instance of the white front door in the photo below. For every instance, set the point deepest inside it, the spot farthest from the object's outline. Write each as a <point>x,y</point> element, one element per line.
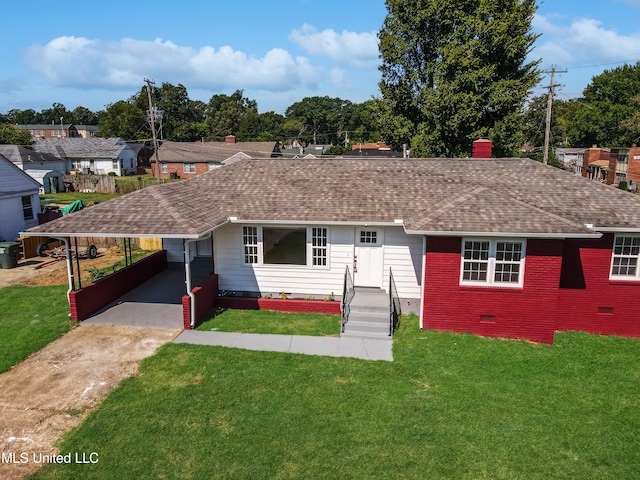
<point>368,259</point>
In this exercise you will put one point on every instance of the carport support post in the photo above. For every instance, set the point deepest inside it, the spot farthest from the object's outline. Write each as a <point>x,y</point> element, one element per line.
<point>187,271</point>
<point>69,255</point>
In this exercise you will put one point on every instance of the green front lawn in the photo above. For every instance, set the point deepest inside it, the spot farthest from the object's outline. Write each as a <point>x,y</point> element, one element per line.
<point>30,317</point>
<point>70,197</point>
<point>450,406</point>
<point>280,323</point>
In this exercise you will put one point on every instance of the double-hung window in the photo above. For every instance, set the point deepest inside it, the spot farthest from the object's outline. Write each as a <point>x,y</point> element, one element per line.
<point>492,262</point>
<point>27,208</point>
<point>189,167</point>
<point>626,257</point>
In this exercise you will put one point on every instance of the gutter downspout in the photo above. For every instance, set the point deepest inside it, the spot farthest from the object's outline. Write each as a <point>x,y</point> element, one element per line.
<point>187,271</point>
<point>69,255</point>
<point>423,279</point>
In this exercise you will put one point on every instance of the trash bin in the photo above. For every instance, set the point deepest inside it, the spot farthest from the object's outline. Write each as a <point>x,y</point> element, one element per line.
<point>9,254</point>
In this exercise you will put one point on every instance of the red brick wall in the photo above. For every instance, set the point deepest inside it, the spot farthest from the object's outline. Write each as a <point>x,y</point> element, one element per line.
<point>206,295</point>
<point>178,168</point>
<point>92,297</point>
<point>634,165</point>
<point>527,313</point>
<point>280,305</point>
<point>589,301</point>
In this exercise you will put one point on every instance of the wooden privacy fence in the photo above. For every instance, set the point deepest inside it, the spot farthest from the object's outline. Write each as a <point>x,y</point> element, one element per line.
<point>94,183</point>
<point>30,244</point>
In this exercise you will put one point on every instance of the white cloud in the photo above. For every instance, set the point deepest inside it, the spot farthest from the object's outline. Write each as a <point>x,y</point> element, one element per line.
<point>347,48</point>
<point>79,62</point>
<point>583,42</point>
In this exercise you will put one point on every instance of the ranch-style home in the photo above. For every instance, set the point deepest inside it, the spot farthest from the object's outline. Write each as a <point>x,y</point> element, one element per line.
<point>497,247</point>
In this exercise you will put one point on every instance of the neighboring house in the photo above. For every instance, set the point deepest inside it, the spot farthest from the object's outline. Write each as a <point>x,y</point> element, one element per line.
<point>19,201</point>
<point>52,131</point>
<point>189,159</point>
<point>571,158</point>
<point>88,131</point>
<point>495,247</point>
<point>98,156</point>
<point>48,170</point>
<point>612,165</point>
<point>379,149</point>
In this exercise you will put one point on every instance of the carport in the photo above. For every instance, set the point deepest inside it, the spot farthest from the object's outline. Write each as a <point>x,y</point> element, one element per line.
<point>157,303</point>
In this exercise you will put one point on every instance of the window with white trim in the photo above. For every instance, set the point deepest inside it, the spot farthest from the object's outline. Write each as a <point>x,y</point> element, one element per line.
<point>492,262</point>
<point>286,245</point>
<point>164,168</point>
<point>626,256</point>
<point>319,246</point>
<point>368,237</point>
<point>27,208</point>
<point>189,168</point>
<point>250,241</point>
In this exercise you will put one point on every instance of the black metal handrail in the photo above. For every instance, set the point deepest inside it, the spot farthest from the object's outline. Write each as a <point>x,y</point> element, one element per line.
<point>395,309</point>
<point>348,292</point>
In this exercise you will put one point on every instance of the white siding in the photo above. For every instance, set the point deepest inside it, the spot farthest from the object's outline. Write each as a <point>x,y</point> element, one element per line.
<point>403,254</point>
<point>14,184</point>
<point>234,275</point>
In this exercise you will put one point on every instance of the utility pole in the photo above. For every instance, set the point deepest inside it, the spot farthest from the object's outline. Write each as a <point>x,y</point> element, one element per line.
<point>152,120</point>
<point>547,130</point>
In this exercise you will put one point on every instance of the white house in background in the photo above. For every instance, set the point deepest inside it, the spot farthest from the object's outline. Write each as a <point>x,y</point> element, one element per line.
<point>48,170</point>
<point>19,201</point>
<point>571,158</point>
<point>98,156</point>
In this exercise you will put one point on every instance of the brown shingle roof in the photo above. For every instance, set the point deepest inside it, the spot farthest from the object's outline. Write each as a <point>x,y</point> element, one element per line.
<point>471,196</point>
<point>212,151</point>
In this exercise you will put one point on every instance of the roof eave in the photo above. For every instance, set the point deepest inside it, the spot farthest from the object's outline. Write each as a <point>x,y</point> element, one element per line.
<point>439,233</point>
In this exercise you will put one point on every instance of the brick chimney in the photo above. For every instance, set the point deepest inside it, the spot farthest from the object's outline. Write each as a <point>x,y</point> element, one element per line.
<point>230,139</point>
<point>482,148</point>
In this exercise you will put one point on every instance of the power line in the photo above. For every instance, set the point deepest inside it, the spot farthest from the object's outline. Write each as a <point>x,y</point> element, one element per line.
<point>547,130</point>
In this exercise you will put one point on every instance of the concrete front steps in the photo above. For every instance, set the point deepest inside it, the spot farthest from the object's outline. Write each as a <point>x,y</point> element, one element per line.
<point>369,314</point>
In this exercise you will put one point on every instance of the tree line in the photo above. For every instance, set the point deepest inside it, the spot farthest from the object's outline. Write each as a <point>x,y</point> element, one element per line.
<point>451,72</point>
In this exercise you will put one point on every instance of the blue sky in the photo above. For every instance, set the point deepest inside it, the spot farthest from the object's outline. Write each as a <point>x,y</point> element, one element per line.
<point>95,53</point>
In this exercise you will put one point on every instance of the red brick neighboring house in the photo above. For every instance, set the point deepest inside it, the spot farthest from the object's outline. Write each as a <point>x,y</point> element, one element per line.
<point>502,247</point>
<point>189,159</point>
<point>612,165</point>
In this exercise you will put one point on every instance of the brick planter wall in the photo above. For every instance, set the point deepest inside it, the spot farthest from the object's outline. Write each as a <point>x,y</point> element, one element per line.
<point>206,295</point>
<point>94,296</point>
<point>280,305</point>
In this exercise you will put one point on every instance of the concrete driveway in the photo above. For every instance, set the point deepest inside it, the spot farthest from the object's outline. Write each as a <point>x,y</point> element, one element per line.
<point>156,303</point>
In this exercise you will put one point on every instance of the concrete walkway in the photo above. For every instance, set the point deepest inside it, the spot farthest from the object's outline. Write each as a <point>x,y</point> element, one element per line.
<point>363,348</point>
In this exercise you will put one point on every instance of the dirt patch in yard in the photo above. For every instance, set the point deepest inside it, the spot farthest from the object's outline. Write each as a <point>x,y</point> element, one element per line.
<point>53,390</point>
<point>43,271</point>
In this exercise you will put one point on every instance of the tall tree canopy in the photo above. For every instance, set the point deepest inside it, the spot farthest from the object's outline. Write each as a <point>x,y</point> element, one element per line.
<point>609,111</point>
<point>456,70</point>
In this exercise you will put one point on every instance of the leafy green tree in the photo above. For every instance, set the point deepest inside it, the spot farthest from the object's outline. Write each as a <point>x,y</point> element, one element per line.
<point>12,135</point>
<point>606,112</point>
<point>261,127</point>
<point>457,71</point>
<point>83,116</point>
<point>124,119</point>
<point>55,113</point>
<point>23,117</point>
<point>224,113</point>
<point>326,119</point>
<point>535,119</point>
